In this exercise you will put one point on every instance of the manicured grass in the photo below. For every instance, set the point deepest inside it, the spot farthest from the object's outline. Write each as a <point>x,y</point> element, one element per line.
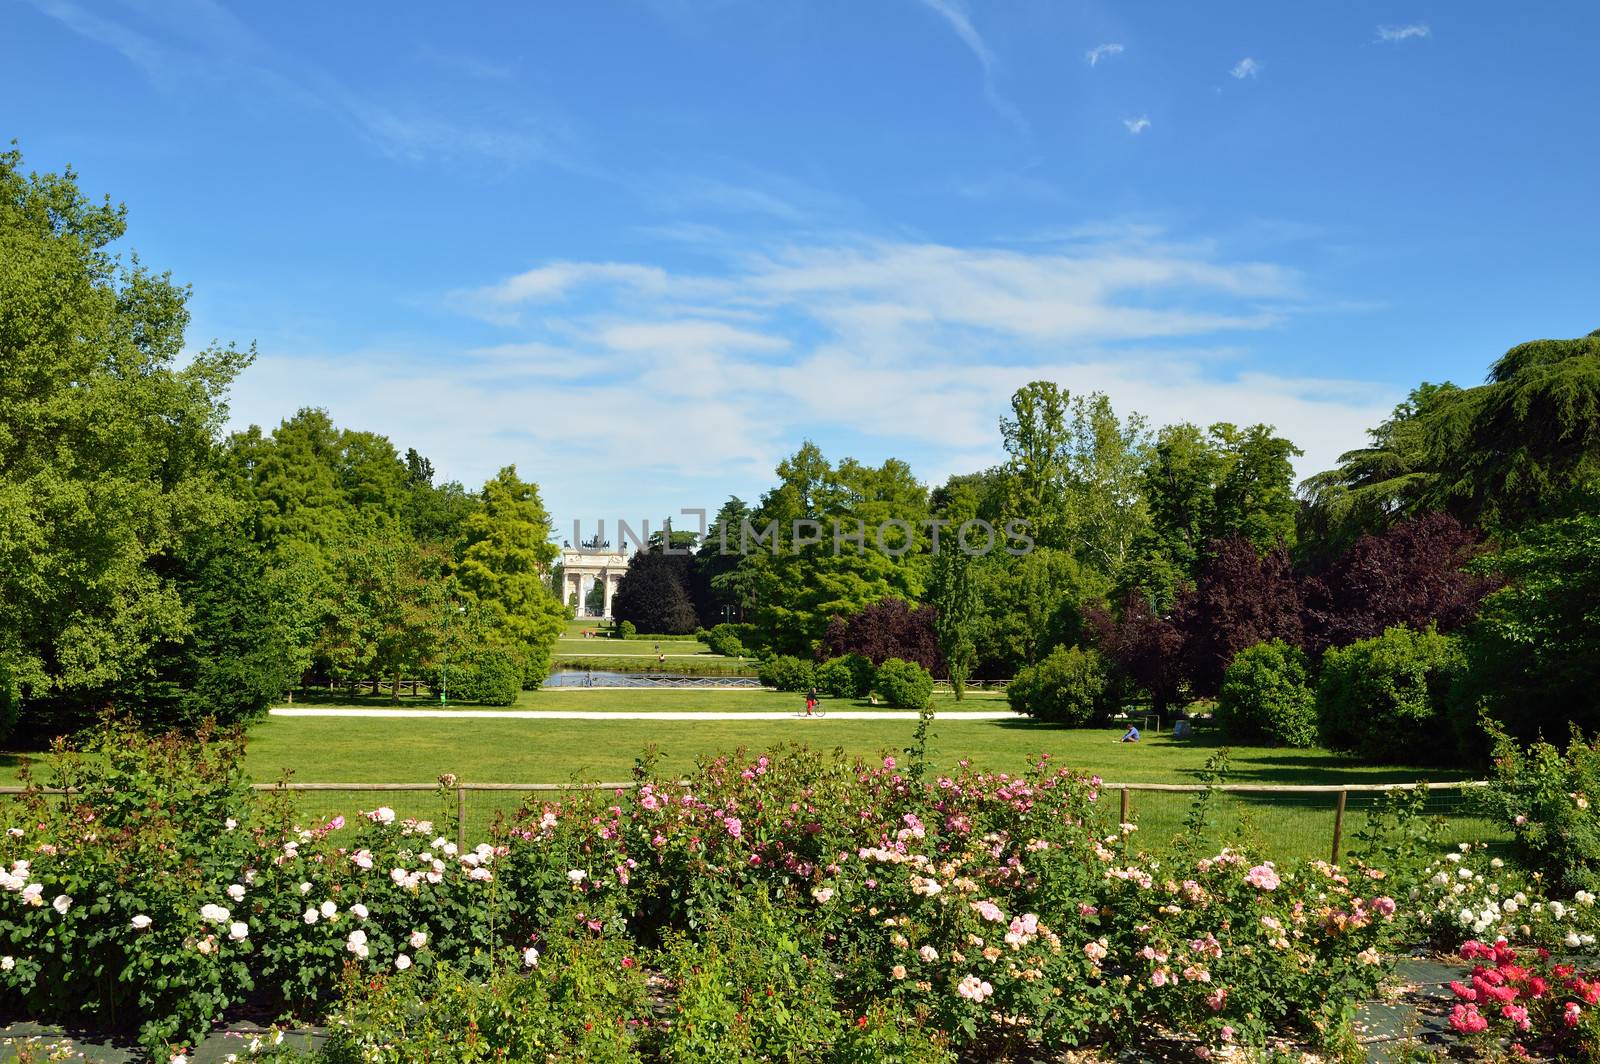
<point>652,699</point>
<point>349,750</point>
<point>476,750</point>
<point>629,648</point>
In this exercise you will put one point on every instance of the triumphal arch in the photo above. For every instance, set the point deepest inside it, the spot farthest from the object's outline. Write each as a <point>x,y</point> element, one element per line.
<point>581,569</point>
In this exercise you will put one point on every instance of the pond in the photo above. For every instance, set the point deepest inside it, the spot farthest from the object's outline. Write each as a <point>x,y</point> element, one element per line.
<point>569,677</point>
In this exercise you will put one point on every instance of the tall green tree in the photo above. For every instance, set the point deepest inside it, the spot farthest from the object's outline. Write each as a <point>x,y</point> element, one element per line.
<point>1522,448</point>
<point>1534,653</point>
<point>954,595</point>
<point>1255,499</point>
<point>107,452</point>
<point>505,557</point>
<point>388,597</point>
<point>1036,439</point>
<point>797,584</point>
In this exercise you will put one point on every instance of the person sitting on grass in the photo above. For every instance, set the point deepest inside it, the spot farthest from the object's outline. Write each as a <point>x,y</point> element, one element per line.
<point>1131,735</point>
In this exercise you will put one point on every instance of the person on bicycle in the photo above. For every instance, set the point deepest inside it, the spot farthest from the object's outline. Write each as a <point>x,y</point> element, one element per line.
<point>811,702</point>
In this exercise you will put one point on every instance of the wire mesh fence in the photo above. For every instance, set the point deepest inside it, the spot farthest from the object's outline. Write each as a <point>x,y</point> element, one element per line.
<point>1283,822</point>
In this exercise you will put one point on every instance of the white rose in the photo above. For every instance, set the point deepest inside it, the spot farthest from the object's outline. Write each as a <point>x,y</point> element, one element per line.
<point>310,917</point>
<point>328,909</point>
<point>402,962</point>
<point>140,922</point>
<point>530,957</point>
<point>62,903</point>
<point>238,930</point>
<point>359,911</point>
<point>236,892</point>
<point>576,875</point>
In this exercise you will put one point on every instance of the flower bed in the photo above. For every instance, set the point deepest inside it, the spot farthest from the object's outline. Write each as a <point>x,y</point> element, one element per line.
<point>992,913</point>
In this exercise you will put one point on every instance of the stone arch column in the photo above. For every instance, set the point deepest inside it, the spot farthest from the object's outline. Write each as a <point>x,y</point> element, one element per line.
<point>611,579</point>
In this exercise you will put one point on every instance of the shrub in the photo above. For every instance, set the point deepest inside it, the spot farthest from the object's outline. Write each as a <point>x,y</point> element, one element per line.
<point>120,881</point>
<point>1528,999</point>
<point>1550,802</point>
<point>1266,697</point>
<point>846,676</point>
<point>803,899</point>
<point>1070,686</point>
<point>754,985</point>
<point>787,673</point>
<point>626,630</point>
<point>488,675</point>
<point>1384,699</point>
<point>724,639</point>
<point>904,684</point>
<point>574,1002</point>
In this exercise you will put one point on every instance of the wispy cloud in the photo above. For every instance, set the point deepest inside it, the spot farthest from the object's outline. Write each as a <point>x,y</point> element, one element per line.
<point>1136,125</point>
<point>900,347</point>
<point>1403,33</point>
<point>201,46</point>
<point>1246,68</point>
<point>954,12</point>
<point>1101,51</point>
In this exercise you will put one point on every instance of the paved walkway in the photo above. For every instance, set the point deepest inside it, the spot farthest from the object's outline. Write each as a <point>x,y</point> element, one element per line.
<point>607,714</point>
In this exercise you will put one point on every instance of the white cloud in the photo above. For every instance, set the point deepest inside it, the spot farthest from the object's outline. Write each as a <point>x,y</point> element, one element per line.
<point>1136,125</point>
<point>612,393</point>
<point>1403,33</point>
<point>1101,51</point>
<point>1246,68</point>
<point>954,12</point>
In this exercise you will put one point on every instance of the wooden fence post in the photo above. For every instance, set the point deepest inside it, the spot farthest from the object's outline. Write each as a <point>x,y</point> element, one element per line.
<point>461,817</point>
<point>1338,826</point>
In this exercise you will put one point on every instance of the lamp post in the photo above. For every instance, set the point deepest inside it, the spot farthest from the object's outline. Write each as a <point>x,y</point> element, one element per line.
<point>444,669</point>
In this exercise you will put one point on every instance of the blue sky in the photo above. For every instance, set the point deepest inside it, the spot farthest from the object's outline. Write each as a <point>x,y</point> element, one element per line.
<point>644,249</point>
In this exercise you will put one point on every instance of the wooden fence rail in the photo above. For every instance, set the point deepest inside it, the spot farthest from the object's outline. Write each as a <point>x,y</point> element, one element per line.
<point>1340,793</point>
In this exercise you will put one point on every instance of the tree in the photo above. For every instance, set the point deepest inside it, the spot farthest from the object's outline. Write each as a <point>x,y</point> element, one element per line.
<point>954,597</point>
<point>1255,500</point>
<point>1386,481</point>
<point>107,453</point>
<point>797,582</point>
<point>505,555</point>
<point>1145,647</point>
<point>888,628</point>
<point>1412,574</point>
<point>1030,605</point>
<point>1181,478</point>
<point>1240,599</point>
<point>1522,448</point>
<point>1534,652</point>
<point>388,599</point>
<point>655,592</point>
<point>1036,440</point>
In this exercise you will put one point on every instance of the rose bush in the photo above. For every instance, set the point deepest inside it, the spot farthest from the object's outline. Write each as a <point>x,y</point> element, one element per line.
<point>974,913</point>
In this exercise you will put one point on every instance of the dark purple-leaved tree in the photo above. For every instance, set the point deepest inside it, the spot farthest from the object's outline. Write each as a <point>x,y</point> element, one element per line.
<point>1410,574</point>
<point>1144,647</point>
<point>888,628</point>
<point>1240,598</point>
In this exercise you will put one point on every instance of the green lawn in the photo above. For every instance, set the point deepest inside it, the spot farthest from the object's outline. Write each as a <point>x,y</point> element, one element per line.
<point>391,750</point>
<point>556,751</point>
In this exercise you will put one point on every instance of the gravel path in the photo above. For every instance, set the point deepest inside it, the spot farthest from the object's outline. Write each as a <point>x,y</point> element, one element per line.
<point>609,714</point>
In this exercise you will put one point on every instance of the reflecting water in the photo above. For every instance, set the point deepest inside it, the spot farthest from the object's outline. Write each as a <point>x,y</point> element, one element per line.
<point>569,677</point>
